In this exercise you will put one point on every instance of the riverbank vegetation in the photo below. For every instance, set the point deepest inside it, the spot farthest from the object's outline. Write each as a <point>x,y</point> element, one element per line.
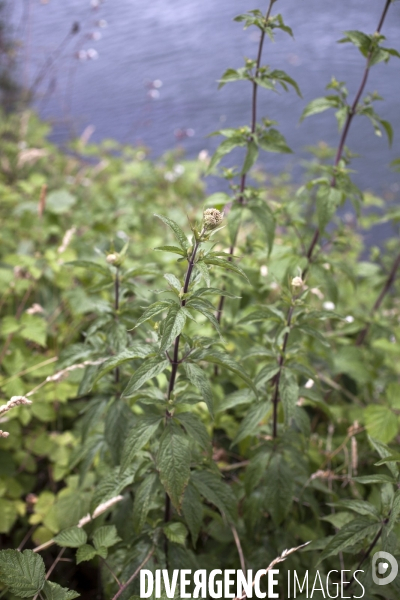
<point>197,381</point>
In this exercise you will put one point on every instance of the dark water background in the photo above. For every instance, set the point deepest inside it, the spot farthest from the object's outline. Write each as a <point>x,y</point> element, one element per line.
<point>187,45</point>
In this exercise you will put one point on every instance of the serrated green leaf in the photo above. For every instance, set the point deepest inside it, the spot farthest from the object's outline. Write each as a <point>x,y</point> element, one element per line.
<point>225,264</point>
<point>180,236</point>
<point>361,507</point>
<point>91,266</point>
<point>85,553</point>
<point>153,310</point>
<point>150,368</point>
<point>195,429</point>
<point>388,459</point>
<point>384,452</point>
<point>319,105</point>
<point>283,79</point>
<point>328,199</point>
<point>141,504</point>
<point>359,39</point>
<point>173,281</point>
<point>113,484</point>
<point>204,272</point>
<point>143,429</point>
<point>217,491</point>
<point>264,313</point>
<point>119,421</point>
<point>273,141</point>
<point>173,249</point>
<point>279,488</point>
<point>214,292</point>
<point>224,360</point>
<point>350,534</point>
<point>251,157</point>
<point>173,463</point>
<point>137,351</point>
<point>201,306</point>
<point>192,510</point>
<point>265,220</point>
<point>289,393</point>
<point>380,422</point>
<point>199,379</point>
<point>266,374</point>
<point>22,572</point>
<point>172,326</point>
<point>105,537</point>
<point>251,422</point>
<point>394,512</point>
<point>369,479</point>
<point>175,532</point>
<point>224,148</point>
<point>73,537</point>
<point>53,591</point>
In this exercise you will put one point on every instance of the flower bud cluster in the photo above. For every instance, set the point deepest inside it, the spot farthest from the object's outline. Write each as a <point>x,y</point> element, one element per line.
<point>212,218</point>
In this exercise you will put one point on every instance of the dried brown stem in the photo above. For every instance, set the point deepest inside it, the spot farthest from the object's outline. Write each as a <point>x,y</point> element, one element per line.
<point>239,548</point>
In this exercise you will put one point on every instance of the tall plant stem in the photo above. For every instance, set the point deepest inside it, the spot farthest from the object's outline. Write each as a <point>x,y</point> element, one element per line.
<point>277,378</point>
<point>343,137</point>
<point>317,233</point>
<point>174,369</point>
<point>175,362</point>
<point>116,309</point>
<point>243,178</point>
<point>388,284</point>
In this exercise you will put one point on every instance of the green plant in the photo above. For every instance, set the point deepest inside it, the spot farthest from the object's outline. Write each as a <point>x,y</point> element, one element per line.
<point>182,431</point>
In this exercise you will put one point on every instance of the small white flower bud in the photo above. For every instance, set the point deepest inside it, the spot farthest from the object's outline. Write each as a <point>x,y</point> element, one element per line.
<point>328,305</point>
<point>112,258</point>
<point>297,282</point>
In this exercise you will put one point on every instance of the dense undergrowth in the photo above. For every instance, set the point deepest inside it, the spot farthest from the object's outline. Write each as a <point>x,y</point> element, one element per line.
<point>186,438</point>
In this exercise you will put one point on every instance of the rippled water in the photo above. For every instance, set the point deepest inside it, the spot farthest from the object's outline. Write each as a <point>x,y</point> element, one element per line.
<point>186,45</point>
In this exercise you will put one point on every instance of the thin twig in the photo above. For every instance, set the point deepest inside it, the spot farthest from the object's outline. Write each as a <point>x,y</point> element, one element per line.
<point>239,548</point>
<point>27,536</point>
<point>53,566</point>
<point>112,572</point>
<point>132,577</point>
<point>277,560</point>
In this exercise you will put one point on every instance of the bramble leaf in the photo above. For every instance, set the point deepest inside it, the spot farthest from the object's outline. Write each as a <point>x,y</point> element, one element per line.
<point>22,572</point>
<point>73,537</point>
<point>105,537</point>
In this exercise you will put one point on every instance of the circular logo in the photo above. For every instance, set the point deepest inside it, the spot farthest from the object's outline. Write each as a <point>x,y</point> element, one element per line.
<point>383,567</point>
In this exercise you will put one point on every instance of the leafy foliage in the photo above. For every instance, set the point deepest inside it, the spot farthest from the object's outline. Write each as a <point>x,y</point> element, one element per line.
<point>240,381</point>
